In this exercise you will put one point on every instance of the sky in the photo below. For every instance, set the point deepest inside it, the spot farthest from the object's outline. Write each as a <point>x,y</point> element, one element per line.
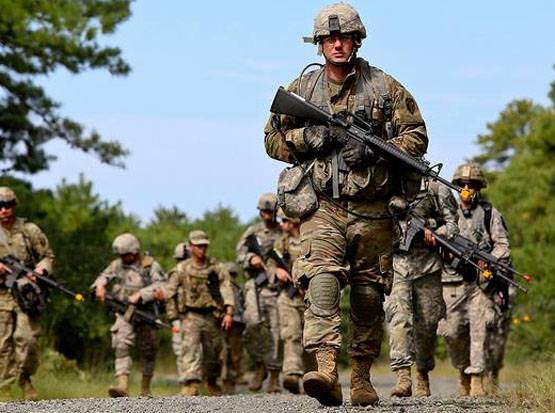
<point>193,109</point>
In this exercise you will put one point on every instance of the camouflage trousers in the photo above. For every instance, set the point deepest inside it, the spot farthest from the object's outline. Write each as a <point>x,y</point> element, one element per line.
<point>469,313</point>
<point>201,345</point>
<point>124,335</point>
<point>19,336</point>
<point>232,353</point>
<point>291,321</point>
<point>413,310</point>
<point>176,345</point>
<point>498,334</point>
<point>358,252</point>
<point>262,333</point>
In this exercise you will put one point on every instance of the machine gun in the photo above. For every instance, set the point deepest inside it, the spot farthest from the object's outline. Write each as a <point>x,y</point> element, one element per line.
<point>30,294</point>
<point>466,253</point>
<point>289,103</point>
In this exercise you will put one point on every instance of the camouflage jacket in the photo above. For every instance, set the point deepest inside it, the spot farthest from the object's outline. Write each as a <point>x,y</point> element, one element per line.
<point>194,287</point>
<point>123,280</point>
<point>369,93</point>
<point>435,203</point>
<point>26,242</point>
<point>474,226</point>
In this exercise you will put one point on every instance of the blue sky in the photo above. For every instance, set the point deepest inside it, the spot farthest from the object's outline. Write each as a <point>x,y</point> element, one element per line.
<point>204,73</point>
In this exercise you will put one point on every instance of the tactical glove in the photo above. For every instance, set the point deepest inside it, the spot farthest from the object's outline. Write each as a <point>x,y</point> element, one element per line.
<point>319,139</point>
<point>356,154</point>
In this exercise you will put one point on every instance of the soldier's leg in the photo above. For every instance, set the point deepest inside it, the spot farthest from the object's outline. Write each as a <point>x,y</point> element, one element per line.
<point>256,331</point>
<point>211,338</point>
<point>291,334</point>
<point>236,350</point>
<point>191,348</point>
<point>148,343</point>
<point>176,345</point>
<point>26,337</point>
<point>7,351</point>
<point>274,355</point>
<point>123,338</point>
<point>455,326</point>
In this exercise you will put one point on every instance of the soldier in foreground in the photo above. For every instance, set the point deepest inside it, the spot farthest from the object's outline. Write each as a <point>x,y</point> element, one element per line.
<point>261,299</point>
<point>181,253</point>
<point>346,231</point>
<point>469,297</point>
<point>19,331</point>
<point>200,295</point>
<point>415,305</point>
<point>131,278</point>
<point>232,355</point>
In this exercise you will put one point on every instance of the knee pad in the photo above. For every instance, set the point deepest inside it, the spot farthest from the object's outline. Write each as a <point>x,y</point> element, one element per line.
<point>367,303</point>
<point>323,295</point>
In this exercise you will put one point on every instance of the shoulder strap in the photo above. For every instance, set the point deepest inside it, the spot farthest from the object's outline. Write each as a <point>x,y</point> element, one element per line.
<point>487,207</point>
<point>309,80</point>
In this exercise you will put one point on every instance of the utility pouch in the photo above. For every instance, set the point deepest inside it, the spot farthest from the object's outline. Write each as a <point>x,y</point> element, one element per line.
<point>296,196</point>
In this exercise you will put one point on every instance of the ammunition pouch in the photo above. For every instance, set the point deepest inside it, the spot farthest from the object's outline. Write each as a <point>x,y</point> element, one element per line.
<point>296,196</point>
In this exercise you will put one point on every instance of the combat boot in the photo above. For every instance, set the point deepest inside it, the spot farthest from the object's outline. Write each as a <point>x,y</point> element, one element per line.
<point>259,377</point>
<point>422,384</point>
<point>323,384</point>
<point>121,389</point>
<point>291,383</point>
<point>362,391</point>
<point>212,388</point>
<point>29,392</point>
<point>476,386</point>
<point>145,386</point>
<point>190,388</point>
<point>229,386</point>
<point>464,384</point>
<point>273,383</point>
<point>403,387</point>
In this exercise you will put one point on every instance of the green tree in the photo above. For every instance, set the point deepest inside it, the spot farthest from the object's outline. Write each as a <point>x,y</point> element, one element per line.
<point>38,37</point>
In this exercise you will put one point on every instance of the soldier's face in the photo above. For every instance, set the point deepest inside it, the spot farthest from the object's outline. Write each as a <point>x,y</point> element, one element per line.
<point>129,258</point>
<point>198,251</point>
<point>7,211</point>
<point>338,48</point>
<point>267,215</point>
<point>473,189</point>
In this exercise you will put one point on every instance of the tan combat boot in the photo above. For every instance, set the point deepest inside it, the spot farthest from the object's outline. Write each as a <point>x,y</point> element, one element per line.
<point>422,384</point>
<point>323,384</point>
<point>362,391</point>
<point>291,382</point>
<point>121,389</point>
<point>190,388</point>
<point>273,382</point>
<point>145,386</point>
<point>212,388</point>
<point>403,387</point>
<point>259,377</point>
<point>476,386</point>
<point>464,384</point>
<point>29,392</point>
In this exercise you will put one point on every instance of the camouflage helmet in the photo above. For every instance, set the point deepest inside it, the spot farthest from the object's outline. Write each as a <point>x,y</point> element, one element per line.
<point>7,194</point>
<point>337,18</point>
<point>126,244</point>
<point>181,252</point>
<point>231,268</point>
<point>267,202</point>
<point>281,215</point>
<point>469,171</point>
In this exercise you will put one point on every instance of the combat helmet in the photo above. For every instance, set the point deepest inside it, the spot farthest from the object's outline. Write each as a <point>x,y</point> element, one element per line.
<point>267,202</point>
<point>7,194</point>
<point>339,18</point>
<point>126,244</point>
<point>469,171</point>
<point>181,252</point>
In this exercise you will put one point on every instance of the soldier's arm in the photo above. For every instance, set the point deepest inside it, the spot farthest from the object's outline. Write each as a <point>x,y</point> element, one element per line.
<point>171,292</point>
<point>106,276</point>
<point>409,129</point>
<point>448,213</point>
<point>242,251</point>
<point>226,288</point>
<point>499,236</point>
<point>41,248</point>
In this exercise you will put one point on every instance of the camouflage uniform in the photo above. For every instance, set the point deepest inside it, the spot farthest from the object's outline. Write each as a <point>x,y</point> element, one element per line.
<point>266,312</point>
<point>124,280</point>
<point>197,294</point>
<point>469,310</point>
<point>19,332</point>
<point>416,305</point>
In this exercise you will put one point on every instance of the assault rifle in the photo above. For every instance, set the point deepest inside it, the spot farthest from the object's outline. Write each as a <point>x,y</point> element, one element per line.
<point>30,296</point>
<point>466,252</point>
<point>289,103</point>
<point>132,312</point>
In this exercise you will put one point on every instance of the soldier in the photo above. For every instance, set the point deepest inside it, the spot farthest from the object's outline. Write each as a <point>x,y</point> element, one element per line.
<point>469,308</point>
<point>181,253</point>
<point>416,305</point>
<point>261,313</point>
<point>232,354</point>
<point>19,331</point>
<point>200,294</point>
<point>290,302</point>
<point>131,277</point>
<point>346,231</point>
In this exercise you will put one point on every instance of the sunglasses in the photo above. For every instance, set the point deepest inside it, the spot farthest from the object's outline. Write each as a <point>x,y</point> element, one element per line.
<point>7,205</point>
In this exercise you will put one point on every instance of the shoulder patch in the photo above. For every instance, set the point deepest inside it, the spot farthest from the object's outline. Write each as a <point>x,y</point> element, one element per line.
<point>411,105</point>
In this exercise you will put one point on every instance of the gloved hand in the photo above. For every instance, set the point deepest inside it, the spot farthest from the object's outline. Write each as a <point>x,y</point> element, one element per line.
<point>320,139</point>
<point>356,154</point>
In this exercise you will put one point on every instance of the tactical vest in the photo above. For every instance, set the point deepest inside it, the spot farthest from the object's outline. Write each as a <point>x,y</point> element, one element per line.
<point>370,99</point>
<point>130,279</point>
<point>18,243</point>
<point>476,227</point>
<point>200,286</point>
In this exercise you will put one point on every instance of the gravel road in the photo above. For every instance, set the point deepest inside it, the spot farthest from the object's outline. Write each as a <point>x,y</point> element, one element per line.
<point>444,401</point>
